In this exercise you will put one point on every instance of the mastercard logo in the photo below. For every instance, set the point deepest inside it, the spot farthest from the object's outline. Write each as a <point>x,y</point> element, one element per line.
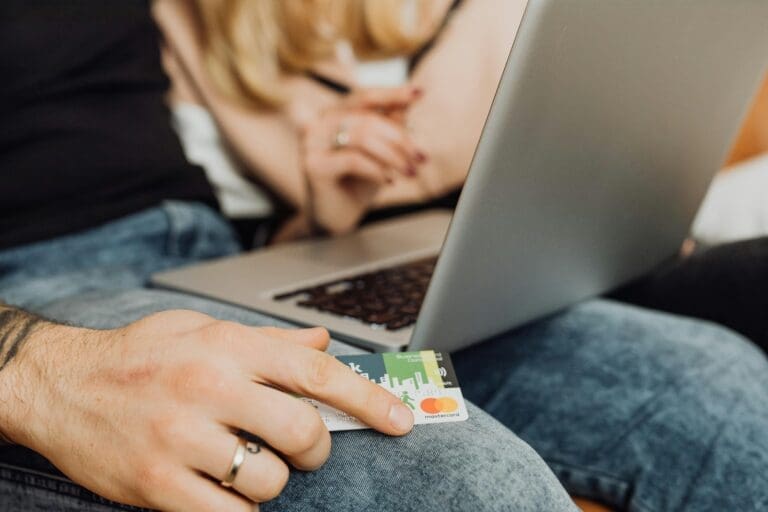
<point>438,405</point>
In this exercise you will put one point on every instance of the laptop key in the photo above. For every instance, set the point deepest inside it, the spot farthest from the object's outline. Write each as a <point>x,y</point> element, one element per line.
<point>389,297</point>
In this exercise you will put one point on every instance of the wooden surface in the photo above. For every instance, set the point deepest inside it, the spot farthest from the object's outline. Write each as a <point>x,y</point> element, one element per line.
<point>589,506</point>
<point>753,138</point>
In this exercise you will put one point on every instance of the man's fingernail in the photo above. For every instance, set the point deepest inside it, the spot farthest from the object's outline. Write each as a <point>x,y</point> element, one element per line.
<point>401,418</point>
<point>312,330</point>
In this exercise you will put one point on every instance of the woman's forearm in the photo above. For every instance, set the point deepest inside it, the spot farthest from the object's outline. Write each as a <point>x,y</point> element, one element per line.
<point>266,142</point>
<point>459,77</point>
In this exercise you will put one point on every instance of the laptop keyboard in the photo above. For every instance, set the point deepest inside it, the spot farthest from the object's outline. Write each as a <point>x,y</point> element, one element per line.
<point>389,298</point>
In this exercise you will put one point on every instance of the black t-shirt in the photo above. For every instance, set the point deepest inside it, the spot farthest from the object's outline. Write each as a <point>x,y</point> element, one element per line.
<point>85,134</point>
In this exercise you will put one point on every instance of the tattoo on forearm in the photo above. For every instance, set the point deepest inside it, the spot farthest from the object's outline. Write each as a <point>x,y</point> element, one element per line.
<point>15,329</point>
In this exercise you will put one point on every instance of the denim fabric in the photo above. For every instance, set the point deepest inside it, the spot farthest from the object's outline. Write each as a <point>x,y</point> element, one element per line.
<point>95,279</point>
<point>475,465</point>
<point>118,255</point>
<point>639,410</point>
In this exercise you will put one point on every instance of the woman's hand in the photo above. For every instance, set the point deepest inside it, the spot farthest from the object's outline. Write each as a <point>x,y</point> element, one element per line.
<point>146,414</point>
<point>354,149</point>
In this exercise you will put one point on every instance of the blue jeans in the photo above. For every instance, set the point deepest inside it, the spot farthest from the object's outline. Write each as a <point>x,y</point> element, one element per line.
<point>638,410</point>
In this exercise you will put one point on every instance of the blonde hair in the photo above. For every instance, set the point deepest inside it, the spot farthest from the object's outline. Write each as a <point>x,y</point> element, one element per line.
<point>249,45</point>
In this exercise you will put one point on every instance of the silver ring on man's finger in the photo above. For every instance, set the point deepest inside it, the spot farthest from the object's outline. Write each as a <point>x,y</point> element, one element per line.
<point>244,447</point>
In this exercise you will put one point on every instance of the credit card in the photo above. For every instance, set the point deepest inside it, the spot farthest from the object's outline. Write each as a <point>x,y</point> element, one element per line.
<point>424,381</point>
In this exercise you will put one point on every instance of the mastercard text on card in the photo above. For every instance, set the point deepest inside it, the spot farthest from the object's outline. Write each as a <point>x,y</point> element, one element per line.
<point>425,381</point>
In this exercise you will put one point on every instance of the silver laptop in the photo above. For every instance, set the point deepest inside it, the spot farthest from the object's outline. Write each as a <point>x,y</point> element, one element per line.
<point>609,121</point>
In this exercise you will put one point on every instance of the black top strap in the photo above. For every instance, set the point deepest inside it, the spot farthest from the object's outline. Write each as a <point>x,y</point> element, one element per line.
<point>418,56</point>
<point>342,89</point>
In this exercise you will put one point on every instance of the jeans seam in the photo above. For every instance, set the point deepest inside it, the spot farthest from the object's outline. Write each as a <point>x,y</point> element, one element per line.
<point>708,454</point>
<point>646,408</point>
<point>636,504</point>
<point>192,228</point>
<point>172,236</point>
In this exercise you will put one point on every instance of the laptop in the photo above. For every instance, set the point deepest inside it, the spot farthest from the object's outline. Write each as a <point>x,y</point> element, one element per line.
<point>609,121</point>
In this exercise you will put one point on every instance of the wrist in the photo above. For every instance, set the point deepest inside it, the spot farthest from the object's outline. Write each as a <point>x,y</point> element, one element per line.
<point>333,217</point>
<point>27,379</point>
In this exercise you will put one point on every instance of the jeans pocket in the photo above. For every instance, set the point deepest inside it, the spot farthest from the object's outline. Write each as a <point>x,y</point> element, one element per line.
<point>196,232</point>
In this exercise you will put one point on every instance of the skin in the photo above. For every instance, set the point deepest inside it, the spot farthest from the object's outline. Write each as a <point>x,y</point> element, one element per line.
<point>344,182</point>
<point>145,414</point>
<point>287,157</point>
<point>294,154</point>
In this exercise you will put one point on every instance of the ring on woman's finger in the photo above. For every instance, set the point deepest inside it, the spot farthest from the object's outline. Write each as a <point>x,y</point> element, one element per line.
<point>244,447</point>
<point>341,138</point>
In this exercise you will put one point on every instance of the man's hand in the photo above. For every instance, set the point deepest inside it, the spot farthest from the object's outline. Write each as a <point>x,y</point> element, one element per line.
<point>146,414</point>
